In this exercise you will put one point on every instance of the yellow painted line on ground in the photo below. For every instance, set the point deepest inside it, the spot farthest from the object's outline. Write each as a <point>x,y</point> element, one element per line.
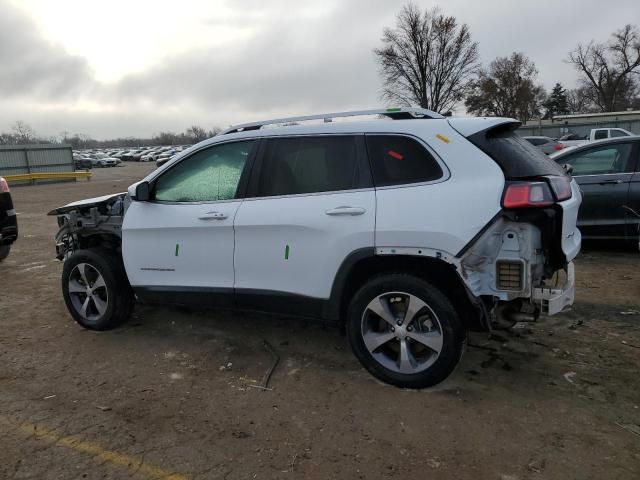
<point>131,463</point>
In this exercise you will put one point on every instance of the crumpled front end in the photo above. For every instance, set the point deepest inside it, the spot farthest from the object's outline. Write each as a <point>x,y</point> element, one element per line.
<point>91,222</point>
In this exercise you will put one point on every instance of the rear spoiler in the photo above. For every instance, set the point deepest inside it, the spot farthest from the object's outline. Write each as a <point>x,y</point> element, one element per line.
<point>470,126</point>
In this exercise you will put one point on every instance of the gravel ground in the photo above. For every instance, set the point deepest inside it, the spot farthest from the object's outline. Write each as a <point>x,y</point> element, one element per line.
<point>172,393</point>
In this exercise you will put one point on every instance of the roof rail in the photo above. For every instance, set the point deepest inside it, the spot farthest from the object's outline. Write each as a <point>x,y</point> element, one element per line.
<point>400,113</point>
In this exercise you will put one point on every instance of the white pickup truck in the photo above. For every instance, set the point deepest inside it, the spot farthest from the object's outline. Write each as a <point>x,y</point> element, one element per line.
<point>595,134</point>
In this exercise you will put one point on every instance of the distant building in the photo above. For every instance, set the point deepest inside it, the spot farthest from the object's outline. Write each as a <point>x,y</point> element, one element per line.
<point>581,124</point>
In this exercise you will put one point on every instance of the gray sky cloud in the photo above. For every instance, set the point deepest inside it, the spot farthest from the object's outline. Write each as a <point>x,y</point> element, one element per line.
<point>33,67</point>
<point>275,58</point>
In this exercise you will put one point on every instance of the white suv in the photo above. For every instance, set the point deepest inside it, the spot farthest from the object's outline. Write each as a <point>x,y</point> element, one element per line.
<point>408,229</point>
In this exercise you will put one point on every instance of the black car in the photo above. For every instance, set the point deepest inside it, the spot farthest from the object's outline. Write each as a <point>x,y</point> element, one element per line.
<point>83,163</point>
<point>608,173</point>
<point>8,220</point>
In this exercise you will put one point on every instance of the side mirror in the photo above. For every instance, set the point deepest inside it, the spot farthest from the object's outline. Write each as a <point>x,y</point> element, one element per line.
<point>143,193</point>
<point>568,168</point>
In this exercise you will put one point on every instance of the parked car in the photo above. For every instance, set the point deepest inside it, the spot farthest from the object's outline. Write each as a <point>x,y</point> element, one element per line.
<point>149,156</point>
<point>595,134</point>
<point>162,160</point>
<point>608,173</point>
<point>82,163</point>
<point>8,220</point>
<point>129,155</point>
<point>545,144</point>
<point>101,162</point>
<point>112,161</point>
<point>366,224</point>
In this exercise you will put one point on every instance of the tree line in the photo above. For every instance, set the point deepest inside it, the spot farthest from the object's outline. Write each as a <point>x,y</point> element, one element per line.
<point>430,59</point>
<point>22,133</point>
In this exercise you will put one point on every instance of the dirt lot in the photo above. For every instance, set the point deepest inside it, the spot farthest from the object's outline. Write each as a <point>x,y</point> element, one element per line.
<point>170,395</point>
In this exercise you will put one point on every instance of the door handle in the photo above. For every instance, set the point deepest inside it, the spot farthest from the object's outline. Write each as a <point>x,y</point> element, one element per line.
<point>213,216</point>
<point>345,211</point>
<point>615,182</point>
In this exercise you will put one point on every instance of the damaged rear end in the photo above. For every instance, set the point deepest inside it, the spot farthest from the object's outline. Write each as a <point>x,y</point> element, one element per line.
<point>520,264</point>
<point>90,223</point>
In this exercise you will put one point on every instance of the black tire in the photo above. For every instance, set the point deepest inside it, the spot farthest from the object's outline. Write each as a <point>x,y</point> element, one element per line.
<point>447,327</point>
<point>117,292</point>
<point>4,251</point>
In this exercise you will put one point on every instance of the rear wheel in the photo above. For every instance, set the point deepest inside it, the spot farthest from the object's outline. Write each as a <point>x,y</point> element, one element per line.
<point>404,331</point>
<point>96,290</point>
<point>4,251</point>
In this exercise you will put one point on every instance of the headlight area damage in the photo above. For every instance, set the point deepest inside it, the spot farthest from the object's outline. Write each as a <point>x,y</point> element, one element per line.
<point>89,223</point>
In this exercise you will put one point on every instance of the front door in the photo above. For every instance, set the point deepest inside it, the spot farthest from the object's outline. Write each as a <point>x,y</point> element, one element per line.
<point>178,247</point>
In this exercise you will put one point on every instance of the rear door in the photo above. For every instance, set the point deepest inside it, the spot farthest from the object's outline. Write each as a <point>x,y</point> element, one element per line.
<point>604,174</point>
<point>313,205</point>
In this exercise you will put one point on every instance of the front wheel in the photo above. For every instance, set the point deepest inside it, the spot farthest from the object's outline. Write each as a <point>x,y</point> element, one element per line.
<point>96,290</point>
<point>405,331</point>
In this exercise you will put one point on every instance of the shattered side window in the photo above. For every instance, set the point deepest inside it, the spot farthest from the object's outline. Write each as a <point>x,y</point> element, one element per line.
<point>209,175</point>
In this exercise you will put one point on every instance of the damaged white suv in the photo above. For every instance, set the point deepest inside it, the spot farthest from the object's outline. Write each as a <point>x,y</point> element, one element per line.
<point>409,229</point>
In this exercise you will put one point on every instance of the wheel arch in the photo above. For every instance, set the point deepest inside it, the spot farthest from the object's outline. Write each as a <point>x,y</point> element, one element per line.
<point>363,264</point>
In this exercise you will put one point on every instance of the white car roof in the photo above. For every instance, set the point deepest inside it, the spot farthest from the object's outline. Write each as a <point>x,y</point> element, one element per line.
<point>465,126</point>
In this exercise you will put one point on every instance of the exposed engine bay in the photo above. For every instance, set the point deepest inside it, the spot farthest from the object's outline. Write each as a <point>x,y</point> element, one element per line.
<point>88,222</point>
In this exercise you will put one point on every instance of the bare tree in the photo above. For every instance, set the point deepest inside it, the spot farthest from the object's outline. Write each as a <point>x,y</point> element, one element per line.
<point>23,132</point>
<point>611,69</point>
<point>507,89</point>
<point>581,100</point>
<point>427,59</point>
<point>196,133</point>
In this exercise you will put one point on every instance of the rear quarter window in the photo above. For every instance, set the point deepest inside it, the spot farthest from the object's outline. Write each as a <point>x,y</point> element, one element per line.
<point>400,160</point>
<point>618,133</point>
<point>516,157</point>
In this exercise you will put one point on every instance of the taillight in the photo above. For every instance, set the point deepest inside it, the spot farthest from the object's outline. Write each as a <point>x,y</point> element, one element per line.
<point>527,195</point>
<point>561,187</point>
<point>4,186</point>
<point>558,147</point>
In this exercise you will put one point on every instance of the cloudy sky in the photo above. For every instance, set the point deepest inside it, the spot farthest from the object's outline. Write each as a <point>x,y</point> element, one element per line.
<point>137,67</point>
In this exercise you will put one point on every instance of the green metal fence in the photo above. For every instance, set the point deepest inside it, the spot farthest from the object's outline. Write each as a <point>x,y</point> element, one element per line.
<point>22,159</point>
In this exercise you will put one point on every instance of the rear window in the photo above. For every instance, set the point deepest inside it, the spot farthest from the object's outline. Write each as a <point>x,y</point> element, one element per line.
<point>516,157</point>
<point>535,141</point>
<point>618,133</point>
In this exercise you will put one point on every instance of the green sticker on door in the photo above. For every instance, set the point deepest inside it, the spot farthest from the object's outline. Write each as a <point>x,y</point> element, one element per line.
<point>177,249</point>
<point>286,252</point>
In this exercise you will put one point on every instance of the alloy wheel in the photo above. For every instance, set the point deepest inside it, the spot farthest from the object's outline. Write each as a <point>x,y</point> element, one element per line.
<point>401,332</point>
<point>88,292</point>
